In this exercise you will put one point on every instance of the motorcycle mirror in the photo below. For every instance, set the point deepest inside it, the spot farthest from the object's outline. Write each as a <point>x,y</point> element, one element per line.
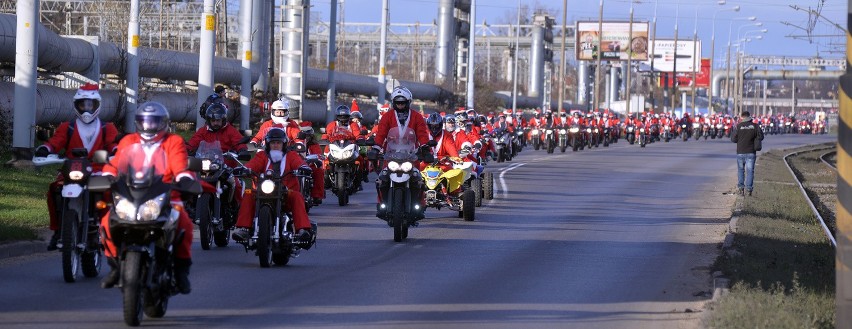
<point>194,164</point>
<point>302,135</point>
<point>432,143</point>
<point>244,155</point>
<point>100,157</point>
<point>322,130</point>
<point>251,147</point>
<point>323,142</point>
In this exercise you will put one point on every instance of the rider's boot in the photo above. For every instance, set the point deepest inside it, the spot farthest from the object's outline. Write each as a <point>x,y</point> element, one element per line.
<point>182,275</point>
<point>111,279</point>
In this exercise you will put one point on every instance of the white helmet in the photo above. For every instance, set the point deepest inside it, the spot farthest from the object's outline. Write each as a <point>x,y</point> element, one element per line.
<point>281,104</point>
<point>87,103</point>
<point>401,94</point>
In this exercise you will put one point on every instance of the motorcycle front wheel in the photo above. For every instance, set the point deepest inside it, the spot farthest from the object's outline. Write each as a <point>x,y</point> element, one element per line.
<point>205,226</point>
<point>70,252</point>
<point>264,242</point>
<point>131,273</point>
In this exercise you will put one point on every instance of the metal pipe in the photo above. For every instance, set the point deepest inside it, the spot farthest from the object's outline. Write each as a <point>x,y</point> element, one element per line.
<point>26,75</point>
<point>582,82</point>
<point>206,55</point>
<point>131,89</point>
<point>246,8</point>
<point>536,62</point>
<point>332,59</point>
<point>380,99</point>
<point>446,41</point>
<point>291,56</point>
<point>515,62</point>
<point>562,60</point>
<point>260,35</point>
<point>471,56</point>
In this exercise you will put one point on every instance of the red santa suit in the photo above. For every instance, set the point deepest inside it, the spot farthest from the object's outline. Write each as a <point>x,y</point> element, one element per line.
<point>95,136</point>
<point>176,164</point>
<point>295,202</point>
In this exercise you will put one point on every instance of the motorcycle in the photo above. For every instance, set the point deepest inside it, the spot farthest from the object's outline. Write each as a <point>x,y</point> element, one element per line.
<point>563,139</point>
<point>503,141</point>
<point>536,138</point>
<point>214,212</point>
<point>720,131</point>
<point>274,238</point>
<point>549,140</point>
<point>517,141</point>
<point>684,131</point>
<point>446,188</point>
<point>342,170</point>
<point>576,137</point>
<point>143,226</point>
<point>400,182</point>
<point>630,134</point>
<point>79,242</point>
<point>306,180</point>
<point>667,133</point>
<point>643,136</point>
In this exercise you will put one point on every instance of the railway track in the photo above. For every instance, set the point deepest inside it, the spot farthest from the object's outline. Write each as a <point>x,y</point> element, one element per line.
<point>817,183</point>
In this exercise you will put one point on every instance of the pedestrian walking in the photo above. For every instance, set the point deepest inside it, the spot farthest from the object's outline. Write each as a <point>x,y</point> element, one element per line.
<point>749,139</point>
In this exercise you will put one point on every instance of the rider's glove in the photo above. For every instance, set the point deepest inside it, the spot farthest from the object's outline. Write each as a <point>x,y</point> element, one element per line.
<point>42,151</point>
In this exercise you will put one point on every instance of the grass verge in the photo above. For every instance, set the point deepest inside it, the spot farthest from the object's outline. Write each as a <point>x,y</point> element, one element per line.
<point>782,266</point>
<point>23,209</point>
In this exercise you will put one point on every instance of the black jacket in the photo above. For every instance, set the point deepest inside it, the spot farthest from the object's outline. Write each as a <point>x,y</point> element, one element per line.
<point>745,135</point>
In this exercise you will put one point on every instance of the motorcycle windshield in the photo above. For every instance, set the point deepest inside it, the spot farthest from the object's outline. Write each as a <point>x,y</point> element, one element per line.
<point>401,146</point>
<point>141,166</point>
<point>209,151</point>
<point>341,134</point>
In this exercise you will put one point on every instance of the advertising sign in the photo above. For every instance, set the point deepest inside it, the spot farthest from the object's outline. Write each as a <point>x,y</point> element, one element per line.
<point>617,42</point>
<point>684,80</point>
<point>663,52</point>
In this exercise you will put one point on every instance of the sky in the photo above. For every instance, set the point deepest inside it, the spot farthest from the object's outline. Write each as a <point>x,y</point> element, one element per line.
<point>670,13</point>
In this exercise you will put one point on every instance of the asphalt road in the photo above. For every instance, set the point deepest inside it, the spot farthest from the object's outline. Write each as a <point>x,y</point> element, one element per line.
<point>616,237</point>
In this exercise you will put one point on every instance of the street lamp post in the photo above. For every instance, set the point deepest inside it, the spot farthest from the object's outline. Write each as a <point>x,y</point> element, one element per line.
<point>728,61</point>
<point>599,53</point>
<point>713,50</point>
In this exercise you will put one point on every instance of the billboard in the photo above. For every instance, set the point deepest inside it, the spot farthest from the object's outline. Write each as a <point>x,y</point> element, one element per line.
<point>617,42</point>
<point>684,79</point>
<point>663,52</point>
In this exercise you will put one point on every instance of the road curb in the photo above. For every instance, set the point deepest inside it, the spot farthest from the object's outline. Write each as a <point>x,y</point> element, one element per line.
<point>23,248</point>
<point>721,284</point>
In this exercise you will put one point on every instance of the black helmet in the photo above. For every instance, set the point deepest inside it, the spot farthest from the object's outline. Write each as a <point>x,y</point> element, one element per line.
<point>435,123</point>
<point>216,111</point>
<point>274,134</point>
<point>343,115</point>
<point>152,121</point>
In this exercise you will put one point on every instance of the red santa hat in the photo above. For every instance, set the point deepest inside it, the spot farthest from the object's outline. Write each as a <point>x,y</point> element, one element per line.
<point>305,124</point>
<point>354,107</point>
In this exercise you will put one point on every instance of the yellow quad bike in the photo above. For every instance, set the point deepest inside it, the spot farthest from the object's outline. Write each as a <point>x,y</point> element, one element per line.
<point>446,189</point>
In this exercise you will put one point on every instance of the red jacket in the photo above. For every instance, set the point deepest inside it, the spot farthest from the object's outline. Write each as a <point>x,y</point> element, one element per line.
<point>292,161</point>
<point>461,140</point>
<point>353,127</point>
<point>228,138</point>
<point>292,129</point>
<point>446,146</point>
<point>415,122</point>
<point>172,145</point>
<point>105,140</point>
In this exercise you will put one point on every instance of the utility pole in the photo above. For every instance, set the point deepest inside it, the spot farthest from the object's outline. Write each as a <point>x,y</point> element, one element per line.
<point>598,54</point>
<point>380,100</point>
<point>562,60</point>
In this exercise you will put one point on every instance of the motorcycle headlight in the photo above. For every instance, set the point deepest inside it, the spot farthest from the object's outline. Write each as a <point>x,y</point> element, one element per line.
<point>596,130</point>
<point>432,181</point>
<point>267,186</point>
<point>405,166</point>
<point>588,130</point>
<point>534,132</point>
<point>641,130</point>
<point>684,126</point>
<point>393,166</point>
<point>575,129</point>
<point>125,209</point>
<point>205,164</point>
<point>75,175</point>
<point>150,210</point>
<point>630,129</point>
<point>562,131</point>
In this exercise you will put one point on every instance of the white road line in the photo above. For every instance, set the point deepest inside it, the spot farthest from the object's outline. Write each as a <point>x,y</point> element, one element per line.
<point>503,172</point>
